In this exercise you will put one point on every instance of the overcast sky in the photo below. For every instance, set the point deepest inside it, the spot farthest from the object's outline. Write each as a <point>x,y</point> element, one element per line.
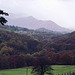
<point>60,11</point>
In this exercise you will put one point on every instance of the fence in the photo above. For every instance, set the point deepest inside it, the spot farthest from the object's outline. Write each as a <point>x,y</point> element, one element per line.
<point>73,73</point>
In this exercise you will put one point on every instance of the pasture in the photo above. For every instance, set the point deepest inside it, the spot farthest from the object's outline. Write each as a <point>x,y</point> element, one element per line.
<point>58,69</point>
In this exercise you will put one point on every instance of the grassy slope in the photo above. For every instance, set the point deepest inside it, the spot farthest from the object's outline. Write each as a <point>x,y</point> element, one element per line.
<point>63,69</point>
<point>57,69</point>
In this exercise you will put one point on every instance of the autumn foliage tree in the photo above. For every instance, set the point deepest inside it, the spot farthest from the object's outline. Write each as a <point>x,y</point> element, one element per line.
<point>42,65</point>
<point>65,59</point>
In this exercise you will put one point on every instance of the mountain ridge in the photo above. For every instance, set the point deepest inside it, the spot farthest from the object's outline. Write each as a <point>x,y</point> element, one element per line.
<point>33,23</point>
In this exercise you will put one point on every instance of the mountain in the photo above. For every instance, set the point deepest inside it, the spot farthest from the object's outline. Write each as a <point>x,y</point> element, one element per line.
<point>33,23</point>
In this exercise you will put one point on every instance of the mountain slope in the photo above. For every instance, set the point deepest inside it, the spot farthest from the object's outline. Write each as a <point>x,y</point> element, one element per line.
<point>19,43</point>
<point>32,23</point>
<point>41,34</point>
<point>66,42</point>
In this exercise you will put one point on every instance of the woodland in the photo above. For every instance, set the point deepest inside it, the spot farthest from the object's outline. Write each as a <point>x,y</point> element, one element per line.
<point>23,49</point>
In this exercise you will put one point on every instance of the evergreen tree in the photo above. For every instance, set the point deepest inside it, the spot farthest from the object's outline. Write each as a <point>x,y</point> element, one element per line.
<point>2,19</point>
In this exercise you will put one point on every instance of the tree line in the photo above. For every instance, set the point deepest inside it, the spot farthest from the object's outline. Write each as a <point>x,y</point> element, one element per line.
<point>39,58</point>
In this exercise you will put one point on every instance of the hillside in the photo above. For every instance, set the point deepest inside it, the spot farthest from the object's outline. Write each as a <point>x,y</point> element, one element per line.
<point>58,42</point>
<point>14,43</point>
<point>66,42</point>
<point>17,50</point>
<point>39,34</point>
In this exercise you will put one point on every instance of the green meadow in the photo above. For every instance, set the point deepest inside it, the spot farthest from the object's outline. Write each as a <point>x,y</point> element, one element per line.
<point>58,69</point>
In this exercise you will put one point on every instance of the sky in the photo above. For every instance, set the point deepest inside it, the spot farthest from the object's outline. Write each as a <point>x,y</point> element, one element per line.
<point>61,12</point>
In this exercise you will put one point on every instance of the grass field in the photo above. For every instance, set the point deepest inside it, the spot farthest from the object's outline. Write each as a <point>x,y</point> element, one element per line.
<point>63,69</point>
<point>58,69</point>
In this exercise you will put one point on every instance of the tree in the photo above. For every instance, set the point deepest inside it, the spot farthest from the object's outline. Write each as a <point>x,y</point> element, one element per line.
<point>2,19</point>
<point>41,66</point>
<point>6,51</point>
<point>28,62</point>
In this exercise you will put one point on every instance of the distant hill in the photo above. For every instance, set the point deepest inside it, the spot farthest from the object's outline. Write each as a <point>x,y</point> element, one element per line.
<point>43,30</point>
<point>33,23</point>
<point>39,34</point>
<point>66,42</point>
<point>47,31</point>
